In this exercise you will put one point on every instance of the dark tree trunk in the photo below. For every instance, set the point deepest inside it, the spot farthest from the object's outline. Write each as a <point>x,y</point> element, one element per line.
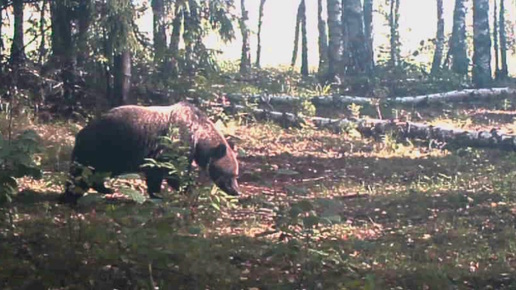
<point>259,34</point>
<point>368,31</point>
<point>359,62</point>
<point>84,17</point>
<point>42,51</point>
<point>18,46</point>
<point>296,36</point>
<point>335,38</point>
<point>439,39</point>
<point>504,72</point>
<point>304,41</point>
<point>323,40</point>
<point>245,58</point>
<point>122,78</point>
<point>63,51</point>
<point>458,46</point>
<point>482,44</point>
<point>159,31</point>
<point>175,38</point>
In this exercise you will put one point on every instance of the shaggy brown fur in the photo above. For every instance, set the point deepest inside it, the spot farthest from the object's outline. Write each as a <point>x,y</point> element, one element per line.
<point>120,140</point>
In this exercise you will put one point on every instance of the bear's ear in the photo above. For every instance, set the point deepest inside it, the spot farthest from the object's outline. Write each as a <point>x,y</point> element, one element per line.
<point>218,152</point>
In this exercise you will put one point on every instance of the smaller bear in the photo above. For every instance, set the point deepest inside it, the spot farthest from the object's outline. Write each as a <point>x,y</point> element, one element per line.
<point>121,140</point>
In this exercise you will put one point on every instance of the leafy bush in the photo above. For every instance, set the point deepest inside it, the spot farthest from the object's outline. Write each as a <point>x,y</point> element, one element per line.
<point>17,160</point>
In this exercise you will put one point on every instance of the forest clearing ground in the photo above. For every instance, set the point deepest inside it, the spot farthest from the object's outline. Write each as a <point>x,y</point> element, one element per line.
<point>319,211</point>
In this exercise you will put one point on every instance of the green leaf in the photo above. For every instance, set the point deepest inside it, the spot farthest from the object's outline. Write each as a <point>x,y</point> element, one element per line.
<point>133,194</point>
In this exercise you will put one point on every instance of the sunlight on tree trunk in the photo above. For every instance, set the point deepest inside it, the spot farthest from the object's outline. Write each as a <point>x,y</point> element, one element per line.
<point>482,44</point>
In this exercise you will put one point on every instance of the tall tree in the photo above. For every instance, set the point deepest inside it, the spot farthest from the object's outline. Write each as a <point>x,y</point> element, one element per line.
<point>18,46</point>
<point>504,72</point>
<point>335,38</point>
<point>304,41</point>
<point>439,38</point>
<point>42,22</point>
<point>84,17</point>
<point>245,57</point>
<point>368,31</point>
<point>323,40</point>
<point>458,46</point>
<point>259,34</point>
<point>159,30</point>
<point>495,40</point>
<point>394,16</point>
<point>296,35</point>
<point>175,38</point>
<point>359,61</point>
<point>63,48</point>
<point>482,44</point>
<point>120,17</point>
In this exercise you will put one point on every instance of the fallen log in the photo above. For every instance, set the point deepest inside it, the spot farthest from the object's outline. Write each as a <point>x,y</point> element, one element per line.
<point>375,127</point>
<point>339,100</point>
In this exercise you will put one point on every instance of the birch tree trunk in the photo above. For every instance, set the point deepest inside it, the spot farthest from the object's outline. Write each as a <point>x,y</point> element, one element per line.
<point>439,39</point>
<point>335,38</point>
<point>259,34</point>
<point>482,44</point>
<point>323,40</point>
<point>504,72</point>
<point>458,47</point>
<point>376,128</point>
<point>394,32</point>
<point>359,61</point>
<point>245,58</point>
<point>304,41</point>
<point>18,46</point>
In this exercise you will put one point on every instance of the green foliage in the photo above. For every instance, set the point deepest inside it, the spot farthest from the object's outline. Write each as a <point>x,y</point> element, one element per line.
<point>16,161</point>
<point>175,150</point>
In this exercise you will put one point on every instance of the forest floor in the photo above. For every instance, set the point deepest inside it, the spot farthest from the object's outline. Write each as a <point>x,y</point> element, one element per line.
<point>319,210</point>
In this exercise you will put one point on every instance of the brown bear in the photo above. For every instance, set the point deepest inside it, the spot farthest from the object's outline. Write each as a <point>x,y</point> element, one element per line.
<point>121,140</point>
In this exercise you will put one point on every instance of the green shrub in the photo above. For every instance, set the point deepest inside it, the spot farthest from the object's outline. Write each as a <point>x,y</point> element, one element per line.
<point>17,160</point>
